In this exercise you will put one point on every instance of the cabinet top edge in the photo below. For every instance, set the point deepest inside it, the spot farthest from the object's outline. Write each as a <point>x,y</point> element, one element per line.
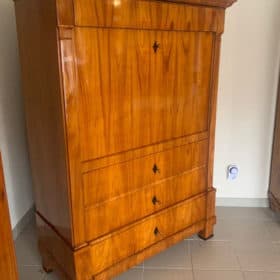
<point>209,3</point>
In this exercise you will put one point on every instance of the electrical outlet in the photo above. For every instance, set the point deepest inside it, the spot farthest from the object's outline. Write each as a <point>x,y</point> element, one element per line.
<point>232,172</point>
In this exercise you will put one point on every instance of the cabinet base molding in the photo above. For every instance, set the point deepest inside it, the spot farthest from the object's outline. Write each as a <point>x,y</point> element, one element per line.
<point>58,256</point>
<point>273,202</point>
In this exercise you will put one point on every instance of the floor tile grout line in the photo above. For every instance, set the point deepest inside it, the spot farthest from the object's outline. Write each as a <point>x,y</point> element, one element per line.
<point>243,275</point>
<point>143,270</point>
<point>236,255</point>
<point>190,248</point>
<point>167,268</point>
<point>263,271</point>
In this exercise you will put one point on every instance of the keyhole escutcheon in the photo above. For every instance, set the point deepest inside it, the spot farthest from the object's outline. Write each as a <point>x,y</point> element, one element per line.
<point>156,46</point>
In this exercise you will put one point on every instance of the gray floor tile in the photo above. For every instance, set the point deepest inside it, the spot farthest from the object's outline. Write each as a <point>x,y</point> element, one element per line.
<point>274,230</point>
<point>51,276</point>
<point>193,237</point>
<point>167,274</point>
<point>213,255</point>
<point>27,248</point>
<point>243,213</point>
<point>140,265</point>
<point>177,256</point>
<point>258,256</point>
<point>217,275</point>
<point>135,274</point>
<point>223,231</point>
<point>31,273</point>
<point>261,276</point>
<point>247,247</point>
<point>240,230</point>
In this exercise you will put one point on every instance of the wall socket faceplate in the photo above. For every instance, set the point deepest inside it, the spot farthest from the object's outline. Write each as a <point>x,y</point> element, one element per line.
<point>232,172</point>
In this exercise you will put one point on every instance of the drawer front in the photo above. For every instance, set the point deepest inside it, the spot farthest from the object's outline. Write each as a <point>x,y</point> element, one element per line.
<point>139,88</point>
<point>143,202</point>
<point>129,241</point>
<point>147,15</point>
<point>115,180</point>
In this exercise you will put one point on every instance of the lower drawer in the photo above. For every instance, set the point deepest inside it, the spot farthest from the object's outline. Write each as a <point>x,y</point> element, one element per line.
<point>126,209</point>
<point>115,247</point>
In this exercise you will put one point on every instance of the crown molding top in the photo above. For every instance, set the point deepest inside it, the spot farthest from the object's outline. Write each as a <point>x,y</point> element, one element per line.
<point>210,3</point>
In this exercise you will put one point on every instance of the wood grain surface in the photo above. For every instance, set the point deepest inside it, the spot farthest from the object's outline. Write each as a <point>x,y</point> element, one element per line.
<point>8,264</point>
<point>274,186</point>
<point>140,97</point>
<point>120,100</point>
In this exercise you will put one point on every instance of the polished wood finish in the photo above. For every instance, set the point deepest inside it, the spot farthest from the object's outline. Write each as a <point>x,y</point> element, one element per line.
<point>8,265</point>
<point>140,83</point>
<point>151,198</point>
<point>69,90</point>
<point>43,111</point>
<point>149,252</point>
<point>130,240</point>
<point>114,180</point>
<point>274,186</point>
<point>56,254</point>
<point>65,12</point>
<point>159,15</point>
<point>146,151</point>
<point>210,3</point>
<point>120,100</point>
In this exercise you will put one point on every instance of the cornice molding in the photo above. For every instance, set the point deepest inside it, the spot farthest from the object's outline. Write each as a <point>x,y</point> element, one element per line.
<point>210,3</point>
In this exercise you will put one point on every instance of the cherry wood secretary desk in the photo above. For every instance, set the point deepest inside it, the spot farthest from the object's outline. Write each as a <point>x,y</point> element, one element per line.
<point>120,100</point>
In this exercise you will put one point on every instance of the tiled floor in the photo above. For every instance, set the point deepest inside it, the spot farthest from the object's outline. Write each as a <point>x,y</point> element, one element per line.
<point>246,246</point>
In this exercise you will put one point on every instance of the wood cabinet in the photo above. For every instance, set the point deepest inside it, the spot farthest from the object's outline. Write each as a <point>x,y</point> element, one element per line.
<point>274,184</point>
<point>8,264</point>
<point>120,100</point>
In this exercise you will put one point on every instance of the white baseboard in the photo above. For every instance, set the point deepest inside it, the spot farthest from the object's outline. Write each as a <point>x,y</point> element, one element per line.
<point>242,202</point>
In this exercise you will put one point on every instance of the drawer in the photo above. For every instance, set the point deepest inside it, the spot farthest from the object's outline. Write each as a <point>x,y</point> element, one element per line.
<point>141,235</point>
<point>115,180</point>
<point>136,205</point>
<point>147,15</point>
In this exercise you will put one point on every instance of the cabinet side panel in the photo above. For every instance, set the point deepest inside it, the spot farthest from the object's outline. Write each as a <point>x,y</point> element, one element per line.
<point>8,265</point>
<point>211,196</point>
<point>37,34</point>
<point>65,12</point>
<point>274,189</point>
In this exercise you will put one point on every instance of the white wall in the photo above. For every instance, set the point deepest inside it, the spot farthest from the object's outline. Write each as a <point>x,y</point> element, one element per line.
<point>12,127</point>
<point>247,95</point>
